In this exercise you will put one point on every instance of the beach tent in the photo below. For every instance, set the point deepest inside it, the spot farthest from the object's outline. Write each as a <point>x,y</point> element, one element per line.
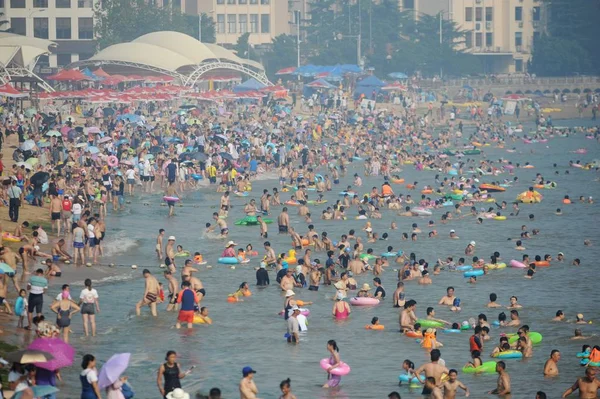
<point>367,85</point>
<point>249,85</point>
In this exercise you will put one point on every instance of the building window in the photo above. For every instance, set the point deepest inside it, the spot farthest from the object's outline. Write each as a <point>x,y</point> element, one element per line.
<point>518,65</point>
<point>536,37</point>
<point>231,23</point>
<point>63,28</point>
<point>243,23</point>
<point>220,23</point>
<point>177,4</point>
<point>63,3</point>
<point>17,3</point>
<point>40,28</point>
<point>409,4</point>
<point>86,28</point>
<point>43,61</point>
<point>478,14</point>
<point>63,59</point>
<point>469,39</point>
<point>165,3</point>
<point>518,13</point>
<point>85,3</point>
<point>469,14</point>
<point>536,13</point>
<point>489,14</point>
<point>478,39</point>
<point>220,1</point>
<point>253,1</point>
<point>518,39</point>
<point>489,39</point>
<point>18,26</point>
<point>265,23</point>
<point>230,1</point>
<point>242,2</point>
<point>40,3</point>
<point>264,1</point>
<point>253,23</point>
<point>85,56</point>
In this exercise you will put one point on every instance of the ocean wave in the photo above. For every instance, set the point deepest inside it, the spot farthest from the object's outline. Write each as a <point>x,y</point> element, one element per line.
<point>118,243</point>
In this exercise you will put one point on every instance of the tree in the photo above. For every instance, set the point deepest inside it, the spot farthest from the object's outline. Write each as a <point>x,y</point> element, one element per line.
<point>391,40</point>
<point>569,23</point>
<point>243,49</point>
<point>557,56</point>
<point>283,54</point>
<point>208,27</point>
<point>119,21</point>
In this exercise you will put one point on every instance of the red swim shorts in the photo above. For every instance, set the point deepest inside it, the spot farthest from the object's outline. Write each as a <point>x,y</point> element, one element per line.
<point>186,316</point>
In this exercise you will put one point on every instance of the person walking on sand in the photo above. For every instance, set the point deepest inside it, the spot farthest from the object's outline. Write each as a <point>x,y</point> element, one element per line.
<point>150,297</point>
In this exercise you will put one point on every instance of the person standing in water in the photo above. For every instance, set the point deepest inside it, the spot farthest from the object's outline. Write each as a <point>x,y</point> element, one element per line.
<point>150,297</point>
<point>248,389</point>
<point>159,243</point>
<point>172,374</point>
<point>503,385</point>
<point>88,300</point>
<point>334,361</point>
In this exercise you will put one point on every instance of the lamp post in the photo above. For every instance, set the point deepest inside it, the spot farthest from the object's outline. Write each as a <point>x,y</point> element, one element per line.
<point>358,44</point>
<point>200,27</point>
<point>441,15</point>
<point>297,13</point>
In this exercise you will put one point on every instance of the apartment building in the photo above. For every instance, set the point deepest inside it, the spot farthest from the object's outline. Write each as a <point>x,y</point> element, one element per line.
<point>263,19</point>
<point>500,32</point>
<point>431,7</point>
<point>69,23</point>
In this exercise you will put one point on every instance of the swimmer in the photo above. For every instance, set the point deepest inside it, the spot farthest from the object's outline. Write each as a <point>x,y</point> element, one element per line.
<point>579,335</point>
<point>451,386</point>
<point>588,385</point>
<point>551,366</point>
<point>449,300</point>
<point>503,383</point>
<point>580,319</point>
<point>203,315</point>
<point>431,316</point>
<point>492,303</point>
<point>514,304</point>
<point>560,316</point>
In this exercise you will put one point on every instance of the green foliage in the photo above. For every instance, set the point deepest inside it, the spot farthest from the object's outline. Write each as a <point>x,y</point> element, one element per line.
<point>243,49</point>
<point>119,21</point>
<point>283,54</point>
<point>572,45</point>
<point>391,41</point>
<point>557,56</point>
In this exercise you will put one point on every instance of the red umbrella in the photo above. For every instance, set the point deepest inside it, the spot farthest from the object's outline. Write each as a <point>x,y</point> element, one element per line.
<point>286,71</point>
<point>63,353</point>
<point>69,75</point>
<point>7,90</point>
<point>100,73</point>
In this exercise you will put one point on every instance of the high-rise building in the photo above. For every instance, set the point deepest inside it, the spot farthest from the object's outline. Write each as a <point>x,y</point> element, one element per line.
<point>69,23</point>
<point>263,19</point>
<point>500,32</point>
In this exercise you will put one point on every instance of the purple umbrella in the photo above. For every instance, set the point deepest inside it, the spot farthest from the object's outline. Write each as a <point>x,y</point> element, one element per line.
<point>63,353</point>
<point>112,369</point>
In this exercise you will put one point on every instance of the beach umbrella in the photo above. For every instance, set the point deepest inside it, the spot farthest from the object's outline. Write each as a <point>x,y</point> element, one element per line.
<point>53,133</point>
<point>25,164</point>
<point>108,111</point>
<point>81,145</point>
<point>6,268</point>
<point>30,355</point>
<point>63,353</point>
<point>39,391</point>
<point>93,149</point>
<point>193,121</point>
<point>122,141</point>
<point>187,106</point>
<point>182,112</point>
<point>29,112</point>
<point>184,155</point>
<point>199,156</point>
<point>39,178</point>
<point>93,130</point>
<point>43,144</point>
<point>149,156</point>
<point>174,140</point>
<point>104,139</point>
<point>226,155</point>
<point>155,149</point>
<point>32,161</point>
<point>112,369</point>
<point>28,145</point>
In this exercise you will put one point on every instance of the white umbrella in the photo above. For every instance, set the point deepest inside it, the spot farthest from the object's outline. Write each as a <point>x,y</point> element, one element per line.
<point>28,145</point>
<point>105,139</point>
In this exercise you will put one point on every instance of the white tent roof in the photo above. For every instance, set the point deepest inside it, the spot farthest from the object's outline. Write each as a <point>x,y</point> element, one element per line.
<point>22,50</point>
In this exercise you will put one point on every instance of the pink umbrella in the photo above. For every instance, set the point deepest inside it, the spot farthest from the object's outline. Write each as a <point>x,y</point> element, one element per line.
<point>63,353</point>
<point>65,129</point>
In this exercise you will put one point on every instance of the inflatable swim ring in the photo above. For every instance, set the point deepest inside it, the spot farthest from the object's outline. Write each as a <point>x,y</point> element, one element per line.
<point>426,191</point>
<point>200,320</point>
<point>231,260</point>
<point>499,218</point>
<point>367,257</point>
<point>397,181</point>
<point>464,268</point>
<point>534,336</point>
<point>112,161</point>
<point>493,266</point>
<point>374,327</point>
<point>196,176</point>
<point>170,199</point>
<point>451,330</point>
<point>425,323</point>
<point>182,254</point>
<point>486,367</point>
<point>340,370</point>
<point>542,263</point>
<point>413,334</point>
<point>419,211</point>
<point>405,379</point>
<point>10,238</point>
<point>529,197</point>
<point>364,301</point>
<point>516,263</point>
<point>251,221</point>
<point>509,354</point>
<point>473,273</point>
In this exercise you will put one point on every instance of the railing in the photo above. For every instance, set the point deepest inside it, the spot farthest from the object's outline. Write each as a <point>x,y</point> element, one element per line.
<point>511,80</point>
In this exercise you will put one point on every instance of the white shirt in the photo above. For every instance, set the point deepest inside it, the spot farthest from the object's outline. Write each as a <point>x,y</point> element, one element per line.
<point>91,374</point>
<point>91,231</point>
<point>76,209</point>
<point>130,173</point>
<point>88,296</point>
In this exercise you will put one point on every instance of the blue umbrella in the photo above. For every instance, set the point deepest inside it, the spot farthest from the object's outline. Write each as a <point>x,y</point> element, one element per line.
<point>398,75</point>
<point>122,141</point>
<point>93,149</point>
<point>39,391</point>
